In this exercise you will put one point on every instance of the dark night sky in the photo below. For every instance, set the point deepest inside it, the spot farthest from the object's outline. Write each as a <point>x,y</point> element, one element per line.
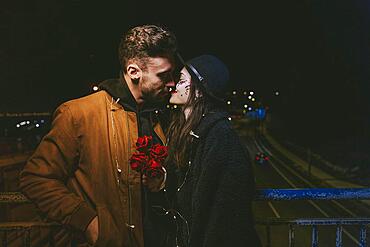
<point>316,52</point>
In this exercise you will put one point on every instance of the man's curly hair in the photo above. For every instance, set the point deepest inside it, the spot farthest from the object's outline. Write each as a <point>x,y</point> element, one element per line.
<point>146,41</point>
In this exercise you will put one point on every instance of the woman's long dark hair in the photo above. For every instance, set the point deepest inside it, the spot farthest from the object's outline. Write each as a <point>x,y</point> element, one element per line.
<point>178,133</point>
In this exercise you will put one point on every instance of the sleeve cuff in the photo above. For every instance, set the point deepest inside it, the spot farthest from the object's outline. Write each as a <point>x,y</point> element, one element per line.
<point>82,217</point>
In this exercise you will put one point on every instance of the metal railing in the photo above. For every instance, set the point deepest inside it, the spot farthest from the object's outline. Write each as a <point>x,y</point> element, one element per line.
<point>315,194</point>
<point>18,233</point>
<point>262,195</point>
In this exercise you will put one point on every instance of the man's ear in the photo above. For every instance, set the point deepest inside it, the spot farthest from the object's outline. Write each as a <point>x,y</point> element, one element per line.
<point>134,71</point>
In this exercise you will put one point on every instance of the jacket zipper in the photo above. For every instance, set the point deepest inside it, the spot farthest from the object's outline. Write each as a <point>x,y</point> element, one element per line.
<point>153,127</point>
<point>119,170</point>
<point>129,225</point>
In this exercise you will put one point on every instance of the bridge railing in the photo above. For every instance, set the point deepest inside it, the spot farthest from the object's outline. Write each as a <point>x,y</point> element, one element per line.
<point>315,194</point>
<point>262,195</point>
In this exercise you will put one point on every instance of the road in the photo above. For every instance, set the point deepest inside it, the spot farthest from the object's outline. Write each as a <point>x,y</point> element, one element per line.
<point>280,172</point>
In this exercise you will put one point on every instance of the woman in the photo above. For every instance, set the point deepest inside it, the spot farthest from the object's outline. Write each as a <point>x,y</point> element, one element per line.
<point>210,182</point>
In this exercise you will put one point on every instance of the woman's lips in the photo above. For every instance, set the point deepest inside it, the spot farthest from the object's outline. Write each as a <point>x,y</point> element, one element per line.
<point>172,91</point>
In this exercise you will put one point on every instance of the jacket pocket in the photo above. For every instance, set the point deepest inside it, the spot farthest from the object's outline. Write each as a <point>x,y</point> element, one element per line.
<point>109,234</point>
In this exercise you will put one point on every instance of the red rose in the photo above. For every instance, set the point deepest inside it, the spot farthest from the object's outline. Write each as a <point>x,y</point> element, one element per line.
<point>143,143</point>
<point>138,161</point>
<point>153,164</point>
<point>149,158</point>
<point>159,152</point>
<point>153,169</point>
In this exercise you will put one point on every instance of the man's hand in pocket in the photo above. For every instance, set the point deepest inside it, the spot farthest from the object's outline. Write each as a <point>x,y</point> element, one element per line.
<point>92,231</point>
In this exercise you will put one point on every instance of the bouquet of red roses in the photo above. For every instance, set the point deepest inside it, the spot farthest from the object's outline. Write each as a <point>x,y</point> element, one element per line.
<point>148,158</point>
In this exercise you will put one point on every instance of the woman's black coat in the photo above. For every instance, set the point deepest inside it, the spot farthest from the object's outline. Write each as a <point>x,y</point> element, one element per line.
<point>213,206</point>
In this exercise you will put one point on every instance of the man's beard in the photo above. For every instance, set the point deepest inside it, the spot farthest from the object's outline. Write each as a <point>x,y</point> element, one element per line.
<point>150,97</point>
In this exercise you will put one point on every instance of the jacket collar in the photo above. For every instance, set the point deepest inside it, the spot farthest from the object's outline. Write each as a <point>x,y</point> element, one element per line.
<point>208,121</point>
<point>119,89</point>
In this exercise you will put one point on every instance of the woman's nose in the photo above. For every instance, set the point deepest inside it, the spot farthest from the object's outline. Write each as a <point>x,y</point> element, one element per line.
<point>171,83</point>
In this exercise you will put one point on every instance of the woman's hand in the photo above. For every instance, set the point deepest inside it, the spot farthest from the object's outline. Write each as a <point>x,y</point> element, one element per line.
<point>155,184</point>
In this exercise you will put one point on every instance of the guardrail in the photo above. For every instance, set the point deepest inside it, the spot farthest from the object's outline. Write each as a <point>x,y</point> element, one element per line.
<point>261,195</point>
<point>315,194</point>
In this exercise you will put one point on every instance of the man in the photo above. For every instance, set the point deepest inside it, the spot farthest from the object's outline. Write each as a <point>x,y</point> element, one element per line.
<point>80,175</point>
